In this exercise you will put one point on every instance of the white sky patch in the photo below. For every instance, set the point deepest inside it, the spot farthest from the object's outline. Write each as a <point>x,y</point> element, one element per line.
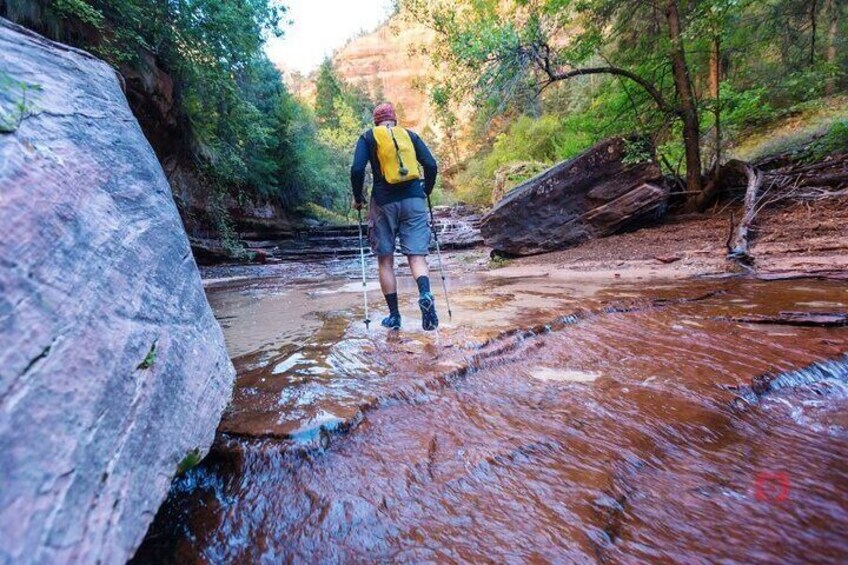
<point>321,26</point>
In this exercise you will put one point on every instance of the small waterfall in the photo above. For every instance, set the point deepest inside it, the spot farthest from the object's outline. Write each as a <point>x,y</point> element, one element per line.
<point>767,383</point>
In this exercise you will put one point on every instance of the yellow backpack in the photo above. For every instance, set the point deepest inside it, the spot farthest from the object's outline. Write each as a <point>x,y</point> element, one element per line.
<point>396,154</point>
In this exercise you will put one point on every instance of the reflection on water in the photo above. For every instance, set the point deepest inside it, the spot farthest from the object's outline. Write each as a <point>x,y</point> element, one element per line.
<point>546,422</point>
<point>562,375</point>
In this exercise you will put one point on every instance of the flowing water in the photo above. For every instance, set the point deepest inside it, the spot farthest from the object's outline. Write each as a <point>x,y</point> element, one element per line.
<point>549,421</point>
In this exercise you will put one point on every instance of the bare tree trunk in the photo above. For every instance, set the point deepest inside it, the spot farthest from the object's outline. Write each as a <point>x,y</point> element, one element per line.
<point>831,8</point>
<point>688,109</point>
<point>715,84</point>
<point>813,6</point>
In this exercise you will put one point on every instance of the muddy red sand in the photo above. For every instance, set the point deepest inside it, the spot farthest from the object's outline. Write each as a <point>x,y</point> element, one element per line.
<point>557,418</point>
<point>793,239</point>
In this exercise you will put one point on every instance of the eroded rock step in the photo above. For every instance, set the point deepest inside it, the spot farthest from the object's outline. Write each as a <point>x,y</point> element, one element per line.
<point>457,229</point>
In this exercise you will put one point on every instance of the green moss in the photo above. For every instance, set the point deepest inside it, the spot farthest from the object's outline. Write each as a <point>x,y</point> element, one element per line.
<point>810,132</point>
<point>149,359</point>
<point>498,262</point>
<point>834,139</point>
<point>16,101</point>
<point>191,460</point>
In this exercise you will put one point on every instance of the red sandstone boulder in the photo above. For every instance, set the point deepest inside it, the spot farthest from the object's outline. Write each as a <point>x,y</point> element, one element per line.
<point>593,195</point>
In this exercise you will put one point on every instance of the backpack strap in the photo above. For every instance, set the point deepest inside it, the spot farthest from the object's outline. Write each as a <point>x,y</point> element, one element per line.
<point>372,150</point>
<point>397,150</point>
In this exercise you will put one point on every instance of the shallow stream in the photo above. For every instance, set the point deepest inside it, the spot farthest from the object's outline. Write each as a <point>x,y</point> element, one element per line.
<point>549,421</point>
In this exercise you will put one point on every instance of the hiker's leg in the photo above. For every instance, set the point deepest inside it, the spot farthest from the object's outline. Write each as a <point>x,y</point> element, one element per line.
<point>415,236</point>
<point>418,266</point>
<point>426,301</point>
<point>415,243</point>
<point>383,234</point>
<point>388,281</point>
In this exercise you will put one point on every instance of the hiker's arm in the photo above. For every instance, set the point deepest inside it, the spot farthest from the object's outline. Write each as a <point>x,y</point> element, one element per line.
<point>357,170</point>
<point>428,162</point>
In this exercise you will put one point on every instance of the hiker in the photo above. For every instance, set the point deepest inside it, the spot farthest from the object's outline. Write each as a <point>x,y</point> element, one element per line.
<point>397,207</point>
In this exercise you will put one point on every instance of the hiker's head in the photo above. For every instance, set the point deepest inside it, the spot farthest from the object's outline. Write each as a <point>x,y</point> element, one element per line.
<point>384,115</point>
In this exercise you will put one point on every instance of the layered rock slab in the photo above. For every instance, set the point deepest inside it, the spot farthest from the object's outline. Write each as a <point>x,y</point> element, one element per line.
<point>112,365</point>
<point>592,195</point>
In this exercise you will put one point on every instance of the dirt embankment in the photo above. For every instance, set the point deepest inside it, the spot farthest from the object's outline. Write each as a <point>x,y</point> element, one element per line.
<point>808,238</point>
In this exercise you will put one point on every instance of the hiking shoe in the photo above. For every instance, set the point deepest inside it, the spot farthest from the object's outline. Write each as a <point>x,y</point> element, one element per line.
<point>429,319</point>
<point>392,321</point>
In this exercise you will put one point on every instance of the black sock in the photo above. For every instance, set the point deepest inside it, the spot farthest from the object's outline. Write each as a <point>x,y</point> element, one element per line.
<point>392,301</point>
<point>423,284</point>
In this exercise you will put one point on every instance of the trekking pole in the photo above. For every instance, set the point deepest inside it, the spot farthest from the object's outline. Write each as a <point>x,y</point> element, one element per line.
<point>439,255</point>
<point>362,259</point>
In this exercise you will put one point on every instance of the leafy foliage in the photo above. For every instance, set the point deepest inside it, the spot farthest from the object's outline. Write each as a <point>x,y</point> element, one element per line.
<point>834,139</point>
<point>17,101</point>
<point>343,112</point>
<point>247,135</point>
<point>505,57</point>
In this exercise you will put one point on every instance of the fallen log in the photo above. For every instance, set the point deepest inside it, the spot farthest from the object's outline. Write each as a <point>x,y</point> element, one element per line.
<point>798,169</point>
<point>835,179</point>
<point>593,195</point>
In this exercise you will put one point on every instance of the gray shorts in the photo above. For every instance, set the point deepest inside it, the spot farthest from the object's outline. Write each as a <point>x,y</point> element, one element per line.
<point>406,218</point>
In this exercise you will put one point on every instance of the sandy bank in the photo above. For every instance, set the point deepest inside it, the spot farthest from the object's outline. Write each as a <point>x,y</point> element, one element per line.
<point>800,239</point>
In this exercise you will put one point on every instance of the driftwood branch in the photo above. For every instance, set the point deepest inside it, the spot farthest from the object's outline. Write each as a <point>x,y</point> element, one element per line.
<point>825,180</point>
<point>740,246</point>
<point>784,180</point>
<point>817,181</point>
<point>730,235</point>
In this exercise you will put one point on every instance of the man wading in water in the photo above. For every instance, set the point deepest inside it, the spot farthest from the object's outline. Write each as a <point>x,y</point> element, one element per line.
<point>397,206</point>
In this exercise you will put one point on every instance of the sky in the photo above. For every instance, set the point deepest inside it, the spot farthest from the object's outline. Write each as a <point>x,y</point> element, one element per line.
<point>321,26</point>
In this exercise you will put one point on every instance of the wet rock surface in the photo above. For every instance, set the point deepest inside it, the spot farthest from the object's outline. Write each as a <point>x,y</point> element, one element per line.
<point>551,420</point>
<point>593,195</point>
<point>112,365</point>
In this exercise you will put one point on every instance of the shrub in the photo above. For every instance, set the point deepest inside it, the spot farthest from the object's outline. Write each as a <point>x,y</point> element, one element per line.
<point>834,139</point>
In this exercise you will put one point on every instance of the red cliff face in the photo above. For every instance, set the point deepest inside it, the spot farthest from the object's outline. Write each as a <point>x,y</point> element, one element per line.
<point>387,60</point>
<point>389,64</point>
<point>390,59</point>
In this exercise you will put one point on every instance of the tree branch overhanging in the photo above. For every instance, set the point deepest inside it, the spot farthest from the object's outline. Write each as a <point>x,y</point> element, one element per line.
<point>543,61</point>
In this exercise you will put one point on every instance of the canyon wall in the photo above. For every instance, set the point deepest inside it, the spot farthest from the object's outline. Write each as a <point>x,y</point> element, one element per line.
<point>388,57</point>
<point>151,94</point>
<point>386,60</point>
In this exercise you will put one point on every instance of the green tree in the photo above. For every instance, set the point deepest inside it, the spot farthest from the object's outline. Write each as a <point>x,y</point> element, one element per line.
<point>500,51</point>
<point>327,91</point>
<point>247,135</point>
